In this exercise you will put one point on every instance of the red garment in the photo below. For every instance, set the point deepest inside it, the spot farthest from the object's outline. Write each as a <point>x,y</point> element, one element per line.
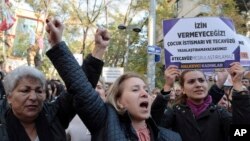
<point>143,134</point>
<point>7,24</point>
<point>7,20</point>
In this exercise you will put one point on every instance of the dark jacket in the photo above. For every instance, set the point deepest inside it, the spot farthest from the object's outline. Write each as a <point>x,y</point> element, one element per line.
<point>60,112</point>
<point>212,125</point>
<point>2,92</point>
<point>216,93</point>
<point>102,120</point>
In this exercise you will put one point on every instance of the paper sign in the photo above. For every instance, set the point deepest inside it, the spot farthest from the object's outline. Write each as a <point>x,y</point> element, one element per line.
<point>110,74</point>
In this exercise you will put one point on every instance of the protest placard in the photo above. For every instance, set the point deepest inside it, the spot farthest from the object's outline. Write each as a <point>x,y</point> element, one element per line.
<point>200,43</point>
<point>110,74</point>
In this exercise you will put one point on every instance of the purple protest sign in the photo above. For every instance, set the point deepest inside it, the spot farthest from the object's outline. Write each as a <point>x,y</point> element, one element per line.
<point>200,43</point>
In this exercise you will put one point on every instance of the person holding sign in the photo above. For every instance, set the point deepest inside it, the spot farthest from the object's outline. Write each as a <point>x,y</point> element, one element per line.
<point>194,116</point>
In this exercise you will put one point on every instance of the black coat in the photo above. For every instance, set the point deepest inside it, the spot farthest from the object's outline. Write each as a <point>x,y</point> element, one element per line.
<point>102,120</point>
<point>60,112</point>
<point>212,125</point>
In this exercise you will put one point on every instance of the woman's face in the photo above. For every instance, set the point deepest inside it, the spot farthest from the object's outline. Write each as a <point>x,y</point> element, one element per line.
<point>27,99</point>
<point>49,89</point>
<point>172,95</point>
<point>178,90</point>
<point>224,102</point>
<point>195,86</point>
<point>135,99</point>
<point>101,91</point>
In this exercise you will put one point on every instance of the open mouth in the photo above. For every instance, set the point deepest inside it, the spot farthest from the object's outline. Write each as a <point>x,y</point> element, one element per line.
<point>144,104</point>
<point>198,91</point>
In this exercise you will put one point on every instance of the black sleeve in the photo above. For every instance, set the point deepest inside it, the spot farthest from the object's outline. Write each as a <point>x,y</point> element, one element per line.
<point>93,69</point>
<point>216,93</point>
<point>88,104</point>
<point>64,103</point>
<point>159,105</point>
<point>241,108</point>
<point>2,92</point>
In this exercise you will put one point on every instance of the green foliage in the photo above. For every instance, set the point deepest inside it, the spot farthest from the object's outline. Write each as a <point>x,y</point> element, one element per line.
<point>48,69</point>
<point>116,51</point>
<point>82,17</point>
<point>227,8</point>
<point>21,45</point>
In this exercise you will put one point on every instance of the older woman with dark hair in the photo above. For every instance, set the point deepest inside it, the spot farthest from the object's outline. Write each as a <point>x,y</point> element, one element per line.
<point>26,117</point>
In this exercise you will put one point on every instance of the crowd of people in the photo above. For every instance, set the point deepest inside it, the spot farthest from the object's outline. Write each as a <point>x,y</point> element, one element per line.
<point>80,108</point>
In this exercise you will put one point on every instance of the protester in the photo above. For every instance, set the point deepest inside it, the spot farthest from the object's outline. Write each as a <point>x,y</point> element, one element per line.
<point>100,88</point>
<point>225,103</point>
<point>49,89</point>
<point>177,89</point>
<point>172,98</point>
<point>226,100</point>
<point>246,83</point>
<point>125,116</point>
<point>194,116</point>
<point>54,88</point>
<point>24,116</point>
<point>155,92</point>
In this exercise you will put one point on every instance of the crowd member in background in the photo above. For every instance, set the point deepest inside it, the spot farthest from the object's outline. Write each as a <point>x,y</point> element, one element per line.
<point>54,88</point>
<point>246,82</point>
<point>126,113</point>
<point>155,92</point>
<point>49,91</point>
<point>172,97</point>
<point>175,93</point>
<point>226,100</point>
<point>101,89</point>
<point>225,103</point>
<point>177,89</point>
<point>194,116</point>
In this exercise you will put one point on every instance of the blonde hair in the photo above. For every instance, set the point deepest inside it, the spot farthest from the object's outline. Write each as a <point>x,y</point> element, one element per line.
<point>101,80</point>
<point>116,89</point>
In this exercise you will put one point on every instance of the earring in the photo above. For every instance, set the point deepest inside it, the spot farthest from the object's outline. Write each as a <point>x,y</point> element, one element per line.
<point>120,106</point>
